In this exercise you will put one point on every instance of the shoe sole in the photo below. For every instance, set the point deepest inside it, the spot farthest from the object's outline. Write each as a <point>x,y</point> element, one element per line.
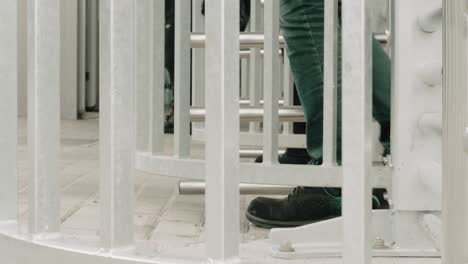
<point>269,224</point>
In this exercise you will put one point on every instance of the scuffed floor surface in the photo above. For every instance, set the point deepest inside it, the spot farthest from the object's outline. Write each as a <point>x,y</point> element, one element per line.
<point>166,223</point>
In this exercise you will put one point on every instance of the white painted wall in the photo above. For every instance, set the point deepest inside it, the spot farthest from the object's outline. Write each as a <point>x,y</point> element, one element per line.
<point>69,53</point>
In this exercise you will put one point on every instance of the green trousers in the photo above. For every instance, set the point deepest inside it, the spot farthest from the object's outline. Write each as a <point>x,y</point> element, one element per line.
<point>302,24</point>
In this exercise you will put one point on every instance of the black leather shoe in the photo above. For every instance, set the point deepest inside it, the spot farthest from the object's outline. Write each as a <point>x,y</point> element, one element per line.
<point>301,207</point>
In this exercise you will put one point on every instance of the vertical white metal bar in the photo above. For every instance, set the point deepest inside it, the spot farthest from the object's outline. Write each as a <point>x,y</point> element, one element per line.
<point>198,61</point>
<point>92,54</point>
<point>69,60</point>
<point>390,25</point>
<point>281,74</point>
<point>8,109</point>
<point>144,49</point>
<point>182,79</point>
<point>116,127</point>
<point>330,84</point>
<point>271,89</point>
<point>149,74</point>
<point>455,135</point>
<point>22,57</point>
<point>158,80</point>
<point>256,62</point>
<point>81,57</point>
<point>222,128</point>
<point>288,90</point>
<point>357,133</point>
<point>44,115</point>
<point>244,85</point>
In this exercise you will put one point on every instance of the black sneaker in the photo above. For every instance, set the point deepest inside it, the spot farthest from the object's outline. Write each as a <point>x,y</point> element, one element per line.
<point>301,207</point>
<point>291,156</point>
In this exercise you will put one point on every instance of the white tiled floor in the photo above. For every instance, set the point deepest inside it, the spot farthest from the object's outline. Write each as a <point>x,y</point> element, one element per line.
<point>165,222</point>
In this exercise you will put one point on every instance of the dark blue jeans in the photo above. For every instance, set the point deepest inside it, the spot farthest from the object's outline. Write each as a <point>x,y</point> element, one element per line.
<point>302,24</point>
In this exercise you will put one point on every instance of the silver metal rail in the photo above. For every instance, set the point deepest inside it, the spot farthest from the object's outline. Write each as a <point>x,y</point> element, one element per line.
<point>382,38</point>
<point>254,114</point>
<point>246,102</point>
<point>246,53</point>
<point>254,153</point>
<point>246,40</point>
<point>198,188</point>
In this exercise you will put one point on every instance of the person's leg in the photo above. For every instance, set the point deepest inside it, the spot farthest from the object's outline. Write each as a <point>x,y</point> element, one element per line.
<point>302,24</point>
<point>381,92</point>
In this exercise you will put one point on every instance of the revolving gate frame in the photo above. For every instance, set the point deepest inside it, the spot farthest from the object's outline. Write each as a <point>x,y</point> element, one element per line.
<point>132,129</point>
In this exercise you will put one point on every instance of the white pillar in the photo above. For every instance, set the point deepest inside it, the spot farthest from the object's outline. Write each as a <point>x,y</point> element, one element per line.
<point>455,135</point>
<point>44,115</point>
<point>357,133</point>
<point>117,93</point>
<point>8,109</point>
<point>222,129</point>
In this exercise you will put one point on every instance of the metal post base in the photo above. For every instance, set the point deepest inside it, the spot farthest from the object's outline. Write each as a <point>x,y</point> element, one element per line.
<point>323,239</point>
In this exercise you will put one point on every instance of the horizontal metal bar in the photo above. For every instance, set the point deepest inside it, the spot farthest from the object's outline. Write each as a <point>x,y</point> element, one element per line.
<point>198,187</point>
<point>246,40</point>
<point>246,102</point>
<point>254,114</point>
<point>256,40</point>
<point>245,54</point>
<point>254,139</point>
<point>285,174</point>
<point>48,251</point>
<point>253,153</point>
<point>382,38</point>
